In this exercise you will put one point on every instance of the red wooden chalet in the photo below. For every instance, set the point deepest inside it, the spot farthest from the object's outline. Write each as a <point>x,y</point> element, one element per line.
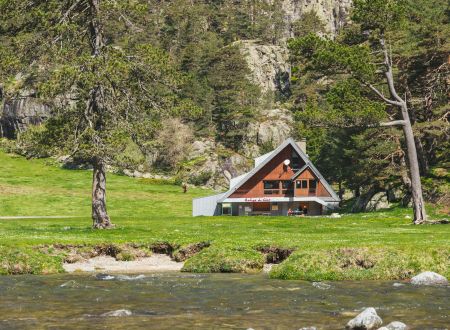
<point>282,182</point>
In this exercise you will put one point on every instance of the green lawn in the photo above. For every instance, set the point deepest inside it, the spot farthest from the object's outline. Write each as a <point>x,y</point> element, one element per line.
<point>381,245</point>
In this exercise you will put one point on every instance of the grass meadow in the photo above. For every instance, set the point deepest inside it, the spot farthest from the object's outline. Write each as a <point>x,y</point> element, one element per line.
<point>378,245</point>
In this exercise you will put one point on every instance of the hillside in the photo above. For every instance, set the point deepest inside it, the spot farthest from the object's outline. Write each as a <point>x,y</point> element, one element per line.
<point>222,86</point>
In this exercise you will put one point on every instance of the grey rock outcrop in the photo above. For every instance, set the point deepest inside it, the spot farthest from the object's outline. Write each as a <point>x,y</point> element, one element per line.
<point>333,13</point>
<point>209,169</point>
<point>396,325</point>
<point>366,320</point>
<point>269,65</point>
<point>429,278</point>
<point>273,127</point>
<point>18,113</point>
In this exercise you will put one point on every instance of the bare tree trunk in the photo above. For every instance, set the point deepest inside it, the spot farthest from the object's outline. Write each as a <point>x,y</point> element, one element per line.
<point>420,215</point>
<point>423,162</point>
<point>94,116</point>
<point>100,216</point>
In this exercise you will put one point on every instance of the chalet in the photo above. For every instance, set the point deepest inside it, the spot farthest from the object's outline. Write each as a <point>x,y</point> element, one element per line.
<point>281,180</point>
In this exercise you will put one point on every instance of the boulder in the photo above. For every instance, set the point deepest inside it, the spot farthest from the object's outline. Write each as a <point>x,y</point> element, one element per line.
<point>378,201</point>
<point>335,215</point>
<point>394,326</point>
<point>321,285</point>
<point>429,278</point>
<point>201,148</point>
<point>366,320</point>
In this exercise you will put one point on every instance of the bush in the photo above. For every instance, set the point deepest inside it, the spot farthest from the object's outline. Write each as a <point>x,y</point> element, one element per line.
<point>200,179</point>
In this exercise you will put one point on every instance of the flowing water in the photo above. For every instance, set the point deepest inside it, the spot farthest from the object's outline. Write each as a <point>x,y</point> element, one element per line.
<point>220,301</point>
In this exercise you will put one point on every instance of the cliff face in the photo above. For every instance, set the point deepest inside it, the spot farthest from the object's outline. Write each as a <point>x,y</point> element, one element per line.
<point>17,114</point>
<point>333,13</point>
<point>268,64</point>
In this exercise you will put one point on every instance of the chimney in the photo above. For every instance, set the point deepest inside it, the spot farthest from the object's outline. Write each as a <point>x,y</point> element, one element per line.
<point>302,144</point>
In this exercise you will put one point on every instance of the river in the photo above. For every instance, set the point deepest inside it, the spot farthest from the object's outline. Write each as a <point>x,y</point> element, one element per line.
<point>210,301</point>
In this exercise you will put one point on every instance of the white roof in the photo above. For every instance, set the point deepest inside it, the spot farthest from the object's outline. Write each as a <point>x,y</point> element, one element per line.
<point>235,181</point>
<point>262,158</point>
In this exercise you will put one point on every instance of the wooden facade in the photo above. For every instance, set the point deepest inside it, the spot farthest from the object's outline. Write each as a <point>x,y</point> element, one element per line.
<point>276,171</point>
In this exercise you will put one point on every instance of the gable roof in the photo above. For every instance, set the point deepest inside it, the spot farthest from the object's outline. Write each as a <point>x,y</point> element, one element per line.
<point>269,156</point>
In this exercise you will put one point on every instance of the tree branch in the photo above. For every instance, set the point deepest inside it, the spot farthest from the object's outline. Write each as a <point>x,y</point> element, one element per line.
<point>392,123</point>
<point>384,98</point>
<point>388,72</point>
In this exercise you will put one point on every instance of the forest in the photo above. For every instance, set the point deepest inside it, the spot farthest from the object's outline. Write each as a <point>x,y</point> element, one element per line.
<point>193,90</point>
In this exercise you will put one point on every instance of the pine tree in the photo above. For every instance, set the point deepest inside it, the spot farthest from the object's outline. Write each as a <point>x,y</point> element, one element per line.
<point>362,63</point>
<point>104,88</point>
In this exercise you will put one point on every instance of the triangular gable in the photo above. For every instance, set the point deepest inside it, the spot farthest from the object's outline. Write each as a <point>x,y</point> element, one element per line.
<point>300,171</point>
<point>269,157</point>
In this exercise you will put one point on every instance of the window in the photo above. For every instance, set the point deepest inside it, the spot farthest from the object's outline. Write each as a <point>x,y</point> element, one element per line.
<point>226,209</point>
<point>286,186</point>
<point>296,161</point>
<point>312,186</point>
<point>271,187</point>
<point>301,184</point>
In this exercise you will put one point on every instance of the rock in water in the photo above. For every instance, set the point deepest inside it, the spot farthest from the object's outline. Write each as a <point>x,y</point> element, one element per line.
<point>366,320</point>
<point>321,285</point>
<point>395,326</point>
<point>117,313</point>
<point>104,277</point>
<point>396,284</point>
<point>429,278</point>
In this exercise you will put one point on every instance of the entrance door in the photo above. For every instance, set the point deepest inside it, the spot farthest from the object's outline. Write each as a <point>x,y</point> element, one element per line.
<point>261,208</point>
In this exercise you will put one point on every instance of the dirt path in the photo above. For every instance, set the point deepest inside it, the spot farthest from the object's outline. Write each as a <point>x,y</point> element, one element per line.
<point>154,263</point>
<point>39,217</point>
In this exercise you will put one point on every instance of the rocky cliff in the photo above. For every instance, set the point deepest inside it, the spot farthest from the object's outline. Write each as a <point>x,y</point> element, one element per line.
<point>333,13</point>
<point>17,114</point>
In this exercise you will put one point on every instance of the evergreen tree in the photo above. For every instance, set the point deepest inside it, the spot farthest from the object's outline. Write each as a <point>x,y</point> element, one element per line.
<point>236,98</point>
<point>104,88</point>
<point>362,63</point>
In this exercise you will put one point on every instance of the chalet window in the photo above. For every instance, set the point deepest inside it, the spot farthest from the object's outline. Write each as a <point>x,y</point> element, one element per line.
<point>271,187</point>
<point>226,209</point>
<point>312,186</point>
<point>296,161</point>
<point>286,186</point>
<point>301,184</point>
